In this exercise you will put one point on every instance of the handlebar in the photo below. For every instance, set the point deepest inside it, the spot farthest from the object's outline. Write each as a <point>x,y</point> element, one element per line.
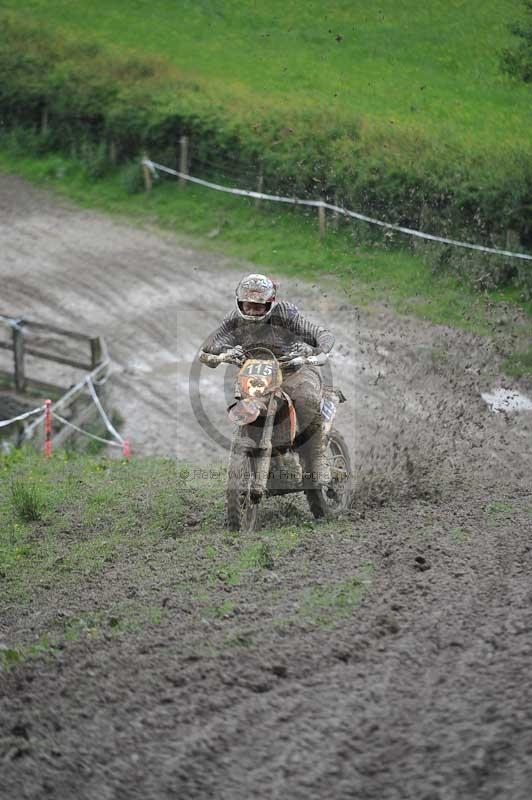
<point>313,360</point>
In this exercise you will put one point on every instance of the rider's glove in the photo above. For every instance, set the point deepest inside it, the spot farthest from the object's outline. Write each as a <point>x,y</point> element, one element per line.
<point>317,360</point>
<point>235,355</point>
<point>209,359</point>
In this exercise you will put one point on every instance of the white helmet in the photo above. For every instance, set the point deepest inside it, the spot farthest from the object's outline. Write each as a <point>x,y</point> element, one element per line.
<point>256,289</point>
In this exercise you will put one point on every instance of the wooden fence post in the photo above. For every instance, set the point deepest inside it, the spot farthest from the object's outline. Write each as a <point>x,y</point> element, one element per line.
<point>96,351</point>
<point>419,244</point>
<point>335,213</point>
<point>147,175</point>
<point>183,158</point>
<point>321,217</point>
<point>18,358</point>
<point>260,186</point>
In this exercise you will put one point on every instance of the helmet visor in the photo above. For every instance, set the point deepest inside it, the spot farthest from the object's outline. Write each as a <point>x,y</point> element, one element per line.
<point>251,308</point>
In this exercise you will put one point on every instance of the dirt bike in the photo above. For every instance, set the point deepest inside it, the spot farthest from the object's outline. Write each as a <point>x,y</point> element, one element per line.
<point>264,457</point>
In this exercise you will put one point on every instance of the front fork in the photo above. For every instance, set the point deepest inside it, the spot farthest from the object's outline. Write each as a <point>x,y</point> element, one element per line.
<point>263,460</point>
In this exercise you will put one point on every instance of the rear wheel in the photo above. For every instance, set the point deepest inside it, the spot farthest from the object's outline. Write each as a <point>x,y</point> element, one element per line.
<point>330,500</point>
<point>241,509</point>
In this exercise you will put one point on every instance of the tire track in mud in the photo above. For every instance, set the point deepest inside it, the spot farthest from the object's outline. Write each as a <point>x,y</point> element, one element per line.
<point>424,691</point>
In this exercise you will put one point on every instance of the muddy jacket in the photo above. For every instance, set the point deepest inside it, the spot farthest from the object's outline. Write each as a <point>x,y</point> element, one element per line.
<point>279,333</point>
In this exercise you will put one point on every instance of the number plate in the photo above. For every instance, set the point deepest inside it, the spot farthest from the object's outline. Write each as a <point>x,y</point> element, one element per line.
<point>257,368</point>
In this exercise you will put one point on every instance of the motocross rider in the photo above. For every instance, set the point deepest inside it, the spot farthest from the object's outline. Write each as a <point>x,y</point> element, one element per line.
<point>259,319</point>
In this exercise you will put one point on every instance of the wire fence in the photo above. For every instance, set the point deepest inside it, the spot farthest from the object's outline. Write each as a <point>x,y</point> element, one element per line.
<point>152,168</point>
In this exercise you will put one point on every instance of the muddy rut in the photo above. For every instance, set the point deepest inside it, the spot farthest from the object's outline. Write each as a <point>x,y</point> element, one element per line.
<point>424,691</point>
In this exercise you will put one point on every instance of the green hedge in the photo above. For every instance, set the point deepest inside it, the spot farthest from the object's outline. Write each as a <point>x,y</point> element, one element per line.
<point>109,107</point>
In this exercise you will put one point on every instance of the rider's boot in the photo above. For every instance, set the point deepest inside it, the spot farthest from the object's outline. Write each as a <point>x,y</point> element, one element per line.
<point>315,459</point>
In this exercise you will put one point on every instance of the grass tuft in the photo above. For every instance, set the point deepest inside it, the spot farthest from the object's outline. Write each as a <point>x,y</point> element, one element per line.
<point>28,500</point>
<point>323,605</point>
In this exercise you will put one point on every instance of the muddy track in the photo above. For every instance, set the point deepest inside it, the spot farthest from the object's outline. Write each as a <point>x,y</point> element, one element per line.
<point>424,691</point>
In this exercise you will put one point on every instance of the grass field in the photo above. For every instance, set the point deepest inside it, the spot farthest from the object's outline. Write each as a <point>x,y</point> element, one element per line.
<point>88,514</point>
<point>404,75</point>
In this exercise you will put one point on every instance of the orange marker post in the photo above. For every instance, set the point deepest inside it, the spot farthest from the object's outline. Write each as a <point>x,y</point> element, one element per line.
<point>47,428</point>
<point>125,449</point>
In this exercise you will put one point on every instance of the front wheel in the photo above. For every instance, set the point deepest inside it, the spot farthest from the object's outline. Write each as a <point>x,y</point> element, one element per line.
<point>330,500</point>
<point>241,509</point>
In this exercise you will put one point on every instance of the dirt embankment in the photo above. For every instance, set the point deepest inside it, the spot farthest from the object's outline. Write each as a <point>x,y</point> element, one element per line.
<point>421,689</point>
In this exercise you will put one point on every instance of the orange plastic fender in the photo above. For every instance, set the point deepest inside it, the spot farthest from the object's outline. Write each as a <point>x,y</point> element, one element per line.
<point>291,417</point>
<point>244,412</point>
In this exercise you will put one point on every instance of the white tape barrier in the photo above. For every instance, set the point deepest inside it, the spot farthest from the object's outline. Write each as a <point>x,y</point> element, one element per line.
<point>62,400</point>
<point>120,442</point>
<point>13,323</point>
<point>86,433</point>
<point>5,422</point>
<point>88,380</point>
<point>105,418</point>
<point>154,167</point>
